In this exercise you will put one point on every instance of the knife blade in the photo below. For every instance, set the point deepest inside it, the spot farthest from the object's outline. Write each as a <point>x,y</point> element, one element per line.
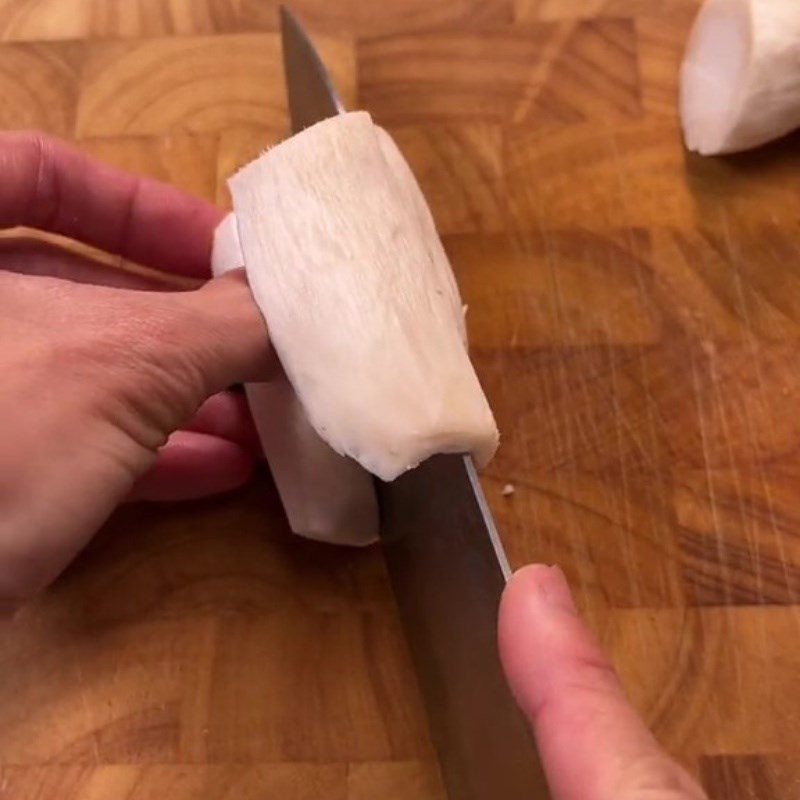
<point>311,94</point>
<point>446,565</point>
<point>448,569</point>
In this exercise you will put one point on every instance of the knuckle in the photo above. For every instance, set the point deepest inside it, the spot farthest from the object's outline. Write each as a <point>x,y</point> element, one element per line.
<point>154,369</point>
<point>45,198</point>
<point>128,359</point>
<point>589,670</point>
<point>30,188</point>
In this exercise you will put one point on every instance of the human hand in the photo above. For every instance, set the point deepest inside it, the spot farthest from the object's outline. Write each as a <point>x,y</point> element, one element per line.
<point>592,744</point>
<point>102,383</point>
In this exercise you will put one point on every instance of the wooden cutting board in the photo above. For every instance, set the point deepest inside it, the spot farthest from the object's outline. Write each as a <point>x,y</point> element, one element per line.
<point>634,313</point>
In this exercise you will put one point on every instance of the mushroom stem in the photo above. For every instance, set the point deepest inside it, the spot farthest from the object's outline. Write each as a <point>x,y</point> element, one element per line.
<point>740,78</point>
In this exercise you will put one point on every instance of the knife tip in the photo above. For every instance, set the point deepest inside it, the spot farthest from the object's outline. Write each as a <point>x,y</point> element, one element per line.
<point>285,14</point>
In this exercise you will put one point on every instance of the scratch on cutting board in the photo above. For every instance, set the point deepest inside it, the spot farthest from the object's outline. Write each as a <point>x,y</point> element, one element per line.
<point>620,425</point>
<point>753,439</point>
<point>87,710</point>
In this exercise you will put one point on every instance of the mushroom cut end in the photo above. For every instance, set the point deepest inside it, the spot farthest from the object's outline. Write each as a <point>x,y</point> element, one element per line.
<point>714,74</point>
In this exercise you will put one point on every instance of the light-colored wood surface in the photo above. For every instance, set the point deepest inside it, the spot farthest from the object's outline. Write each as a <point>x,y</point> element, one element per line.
<point>635,316</point>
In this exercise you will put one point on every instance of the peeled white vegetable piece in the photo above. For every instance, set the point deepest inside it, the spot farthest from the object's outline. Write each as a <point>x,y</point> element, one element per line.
<point>740,79</point>
<point>344,261</point>
<point>325,496</point>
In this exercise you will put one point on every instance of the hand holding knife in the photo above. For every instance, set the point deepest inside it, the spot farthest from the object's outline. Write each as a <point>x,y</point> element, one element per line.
<point>448,571</point>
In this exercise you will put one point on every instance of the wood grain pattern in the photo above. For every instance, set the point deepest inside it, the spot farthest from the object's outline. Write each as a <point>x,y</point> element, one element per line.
<point>460,169</point>
<point>32,20</point>
<point>39,85</point>
<point>502,73</point>
<point>35,20</point>
<point>590,9</point>
<point>634,314</point>
<point>200,84</point>
<point>740,777</point>
<point>211,782</point>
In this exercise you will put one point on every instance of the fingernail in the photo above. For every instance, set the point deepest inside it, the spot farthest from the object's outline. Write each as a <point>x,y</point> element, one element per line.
<point>552,587</point>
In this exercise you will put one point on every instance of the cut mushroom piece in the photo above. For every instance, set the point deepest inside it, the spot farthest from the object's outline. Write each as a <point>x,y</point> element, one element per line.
<point>344,261</point>
<point>740,79</point>
<point>326,496</point>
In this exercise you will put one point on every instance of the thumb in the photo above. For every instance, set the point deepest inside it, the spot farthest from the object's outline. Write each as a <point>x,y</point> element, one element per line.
<point>154,357</point>
<point>592,743</point>
<point>225,333</point>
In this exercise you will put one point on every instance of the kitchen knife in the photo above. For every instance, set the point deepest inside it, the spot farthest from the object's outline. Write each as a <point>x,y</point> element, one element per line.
<point>446,565</point>
<point>311,94</point>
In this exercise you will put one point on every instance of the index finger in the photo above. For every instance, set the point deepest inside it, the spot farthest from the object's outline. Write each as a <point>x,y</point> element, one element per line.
<point>48,185</point>
<point>593,744</point>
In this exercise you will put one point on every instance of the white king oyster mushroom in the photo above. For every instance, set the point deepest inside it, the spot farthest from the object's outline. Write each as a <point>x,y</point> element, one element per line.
<point>325,496</point>
<point>362,308</point>
<point>740,78</point>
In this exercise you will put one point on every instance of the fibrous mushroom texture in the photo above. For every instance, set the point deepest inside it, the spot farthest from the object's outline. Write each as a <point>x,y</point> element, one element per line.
<point>343,259</point>
<point>326,496</point>
<point>740,79</point>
